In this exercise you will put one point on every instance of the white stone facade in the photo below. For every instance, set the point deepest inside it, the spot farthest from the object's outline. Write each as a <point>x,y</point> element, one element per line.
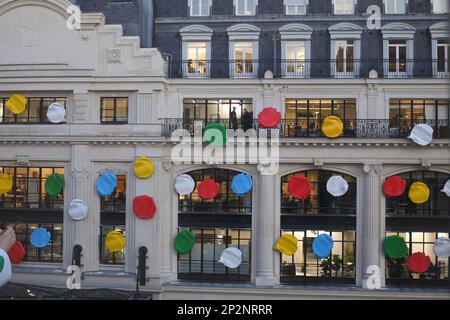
<point>41,57</point>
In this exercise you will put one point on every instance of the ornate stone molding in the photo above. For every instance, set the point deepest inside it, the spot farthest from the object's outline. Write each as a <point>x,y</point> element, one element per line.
<point>375,167</point>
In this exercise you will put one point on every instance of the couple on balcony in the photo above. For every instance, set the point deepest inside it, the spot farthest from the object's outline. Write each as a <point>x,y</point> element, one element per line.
<point>246,120</point>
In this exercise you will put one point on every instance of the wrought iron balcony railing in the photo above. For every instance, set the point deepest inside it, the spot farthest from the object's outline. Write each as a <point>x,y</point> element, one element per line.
<point>316,68</point>
<point>360,128</point>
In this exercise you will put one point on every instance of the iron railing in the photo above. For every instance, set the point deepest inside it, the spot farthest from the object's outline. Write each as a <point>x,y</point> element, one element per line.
<point>297,128</point>
<point>316,68</point>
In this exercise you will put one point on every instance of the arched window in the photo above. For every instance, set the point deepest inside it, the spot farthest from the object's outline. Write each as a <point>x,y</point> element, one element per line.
<point>217,224</point>
<point>320,213</point>
<point>420,225</point>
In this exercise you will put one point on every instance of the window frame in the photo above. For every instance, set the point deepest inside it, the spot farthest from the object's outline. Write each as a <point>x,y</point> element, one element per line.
<point>113,219</point>
<point>345,4</point>
<point>42,115</point>
<point>404,10</point>
<point>304,4</point>
<point>221,220</point>
<point>442,9</point>
<point>246,5</point>
<point>28,218</point>
<point>114,119</point>
<point>315,131</point>
<point>201,14</point>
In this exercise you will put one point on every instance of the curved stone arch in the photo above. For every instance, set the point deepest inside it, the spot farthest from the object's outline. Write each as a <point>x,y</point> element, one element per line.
<point>402,170</point>
<point>196,28</point>
<point>398,26</point>
<point>295,28</point>
<point>345,26</point>
<point>354,174</point>
<point>186,170</point>
<point>440,26</point>
<point>58,6</point>
<point>243,27</point>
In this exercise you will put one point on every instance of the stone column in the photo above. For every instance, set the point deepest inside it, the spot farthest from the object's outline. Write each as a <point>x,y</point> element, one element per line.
<point>371,222</point>
<point>83,232</point>
<point>265,233</point>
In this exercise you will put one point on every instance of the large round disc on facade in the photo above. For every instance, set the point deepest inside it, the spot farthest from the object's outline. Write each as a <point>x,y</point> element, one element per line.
<point>332,127</point>
<point>446,188</point>
<point>106,183</point>
<point>17,104</point>
<point>242,184</point>
<point>6,183</point>
<point>422,134</point>
<point>395,247</point>
<point>54,184</point>
<point>143,168</point>
<point>337,186</point>
<point>56,113</point>
<point>184,185</point>
<point>269,118</point>
<point>215,135</point>
<point>144,207</point>
<point>442,247</point>
<point>208,189</point>
<point>418,262</point>
<point>287,244</point>
<point>419,193</point>
<point>78,210</point>
<point>115,241</point>
<point>40,238</point>
<point>184,242</point>
<point>322,246</point>
<point>231,257</point>
<point>394,186</point>
<point>299,187</point>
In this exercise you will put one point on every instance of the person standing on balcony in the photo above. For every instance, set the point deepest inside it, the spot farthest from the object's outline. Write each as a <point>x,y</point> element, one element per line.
<point>233,119</point>
<point>247,120</point>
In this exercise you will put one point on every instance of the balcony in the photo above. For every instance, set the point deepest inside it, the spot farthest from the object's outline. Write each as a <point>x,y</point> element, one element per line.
<point>317,68</point>
<point>359,129</point>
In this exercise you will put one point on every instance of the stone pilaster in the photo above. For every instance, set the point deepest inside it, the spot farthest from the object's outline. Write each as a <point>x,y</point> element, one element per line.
<point>265,233</point>
<point>80,106</point>
<point>371,221</point>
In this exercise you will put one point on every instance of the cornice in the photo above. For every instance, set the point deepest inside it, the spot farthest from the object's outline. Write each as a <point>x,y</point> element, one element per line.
<point>297,19</point>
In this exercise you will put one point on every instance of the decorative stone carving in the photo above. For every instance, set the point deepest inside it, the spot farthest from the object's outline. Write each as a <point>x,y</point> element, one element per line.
<point>114,55</point>
<point>373,168</point>
<point>426,164</point>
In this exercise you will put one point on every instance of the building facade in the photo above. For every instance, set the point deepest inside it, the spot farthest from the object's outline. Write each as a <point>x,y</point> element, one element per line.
<point>168,65</point>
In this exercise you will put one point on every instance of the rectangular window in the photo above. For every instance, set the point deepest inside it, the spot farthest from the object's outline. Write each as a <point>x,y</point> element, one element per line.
<point>244,64</point>
<point>113,218</point>
<point>114,110</point>
<point>36,110</point>
<point>395,6</point>
<point>218,111</point>
<point>245,7</point>
<point>295,64</point>
<point>443,54</point>
<point>28,207</point>
<point>304,117</point>
<point>404,114</point>
<point>440,6</point>
<point>345,57</point>
<point>344,7</point>
<point>305,267</point>
<point>397,57</point>
<point>196,59</point>
<point>295,7</point>
<point>199,8</point>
